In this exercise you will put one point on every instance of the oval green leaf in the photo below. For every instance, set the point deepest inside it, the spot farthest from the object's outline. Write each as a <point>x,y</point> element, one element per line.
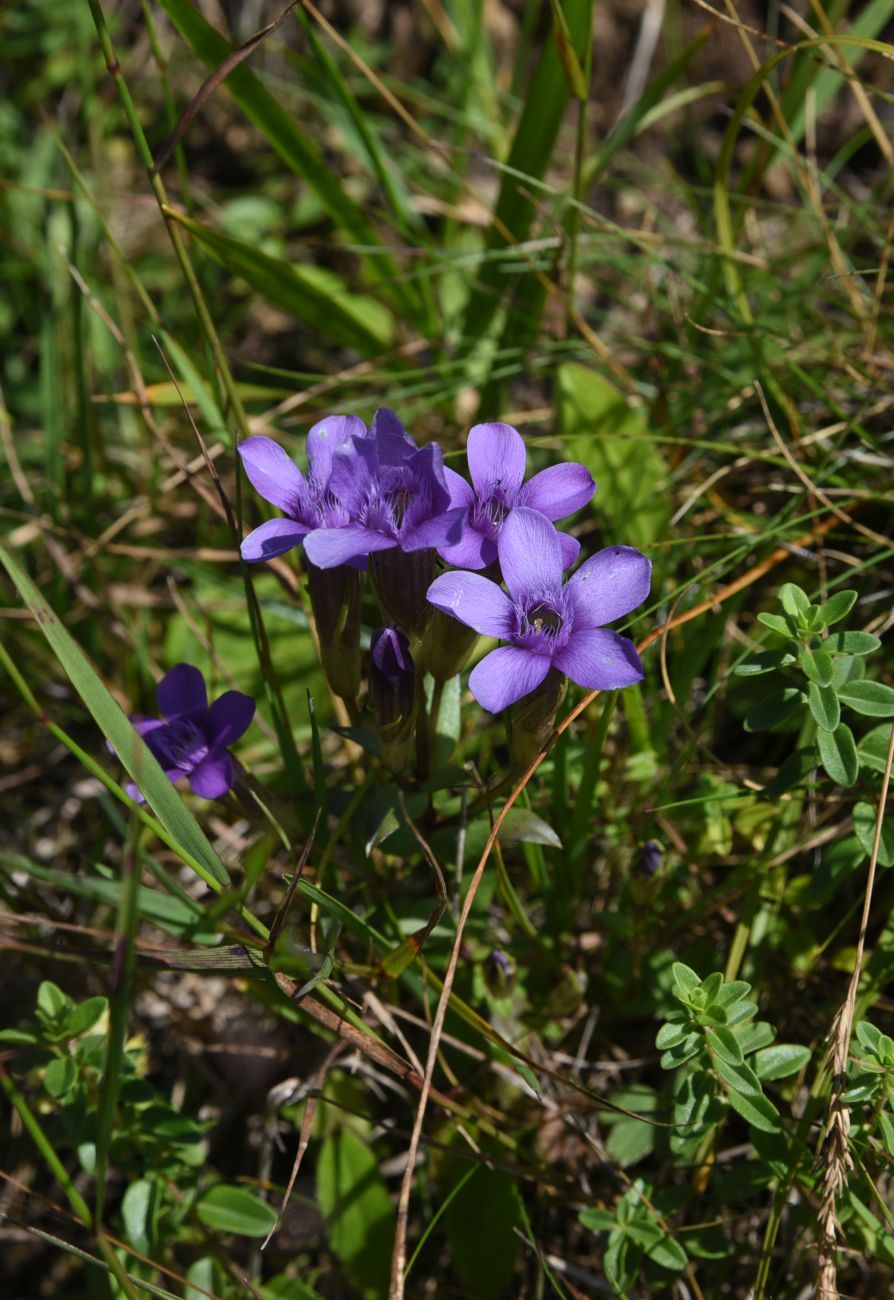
<point>226,1208</point>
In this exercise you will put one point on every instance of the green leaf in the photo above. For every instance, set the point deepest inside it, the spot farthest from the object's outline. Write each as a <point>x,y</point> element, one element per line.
<point>775,711</point>
<point>601,429</point>
<point>358,1210</point>
<point>852,643</point>
<point>685,978</point>
<point>871,698</point>
<point>796,768</point>
<point>668,1253</point>
<point>526,827</point>
<point>780,1061</point>
<point>671,1036</point>
<point>202,1277</point>
<point>136,1214</point>
<point>314,296</point>
<point>757,1109</point>
<point>85,1016</point>
<point>753,1037</point>
<point>793,600</point>
<point>839,754</point>
<point>886,1128</point>
<point>53,1006</point>
<point>818,666</point>
<point>824,706</point>
<point>487,1209</point>
<point>130,749</point>
<point>285,1288</point>
<point>226,1208</point>
<point>864,828</point>
<point>730,992</point>
<point>873,748</point>
<point>725,1045</point>
<point>738,1076</point>
<point>597,1220</point>
<point>870,1037</point>
<point>764,662</point>
<point>60,1076</point>
<point>837,607</point>
<point>776,623</point>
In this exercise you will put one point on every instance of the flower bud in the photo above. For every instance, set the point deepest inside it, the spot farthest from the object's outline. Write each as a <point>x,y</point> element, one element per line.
<point>402,580</point>
<point>499,973</point>
<point>392,694</point>
<point>647,859</point>
<point>533,717</point>
<point>446,646</point>
<point>335,600</point>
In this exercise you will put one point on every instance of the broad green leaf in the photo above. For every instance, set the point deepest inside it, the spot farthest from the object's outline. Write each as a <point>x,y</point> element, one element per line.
<point>711,986</point>
<point>871,698</point>
<point>824,706</point>
<point>793,600</point>
<point>612,438</point>
<point>60,1076</point>
<point>130,749</point>
<point>775,711</point>
<point>85,1016</point>
<point>738,1076</point>
<point>526,827</point>
<point>682,1052</point>
<point>136,1213</point>
<point>886,1128</point>
<point>753,1037</point>
<point>227,1208</point>
<point>671,1036</point>
<point>487,1209</point>
<point>287,1288</point>
<point>864,828</point>
<point>668,1253</point>
<point>358,1210</point>
<point>871,1037</point>
<point>837,607</point>
<point>202,1277</point>
<point>757,1109</point>
<point>818,666</point>
<point>724,1043</point>
<point>597,1220</point>
<point>796,768</point>
<point>52,1004</point>
<point>685,977</point>
<point>780,1061</point>
<point>315,297</point>
<point>839,754</point>
<point>852,643</point>
<point>776,623</point>
<point>764,662</point>
<point>873,747</point>
<point>731,991</point>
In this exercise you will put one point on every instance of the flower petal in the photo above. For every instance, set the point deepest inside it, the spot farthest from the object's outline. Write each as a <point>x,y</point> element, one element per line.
<point>142,726</point>
<point>530,554</point>
<point>327,436</point>
<point>559,490</point>
<point>273,538</point>
<point>352,474</point>
<point>609,585</point>
<point>506,675</point>
<point>496,456</point>
<point>328,547</point>
<point>214,775</point>
<point>475,601</point>
<point>229,718</point>
<point>600,660</point>
<point>386,422</point>
<point>272,473</point>
<point>442,530</point>
<point>474,550</point>
<point>181,691</point>
<point>461,492</point>
<point>570,548</point>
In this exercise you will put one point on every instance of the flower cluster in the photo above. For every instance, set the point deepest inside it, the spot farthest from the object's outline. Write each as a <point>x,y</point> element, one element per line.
<point>374,495</point>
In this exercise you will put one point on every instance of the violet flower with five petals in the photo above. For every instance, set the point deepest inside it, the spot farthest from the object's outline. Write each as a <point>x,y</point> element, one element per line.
<point>395,495</point>
<point>496,457</point>
<point>191,738</point>
<point>548,623</point>
<point>306,500</point>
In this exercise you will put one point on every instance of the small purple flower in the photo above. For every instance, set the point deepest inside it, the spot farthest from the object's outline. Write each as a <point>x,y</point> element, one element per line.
<point>395,496</point>
<point>190,738</point>
<point>306,500</point>
<point>392,676</point>
<point>547,623</point>
<point>496,456</point>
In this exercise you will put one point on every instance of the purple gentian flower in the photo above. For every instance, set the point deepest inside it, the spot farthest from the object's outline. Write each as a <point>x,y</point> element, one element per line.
<point>547,623</point>
<point>395,495</point>
<point>306,500</point>
<point>190,738</point>
<point>496,456</point>
<point>392,676</point>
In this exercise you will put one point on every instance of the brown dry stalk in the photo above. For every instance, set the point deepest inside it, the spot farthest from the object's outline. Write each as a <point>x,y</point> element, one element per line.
<point>833,1157</point>
<point>399,1251</point>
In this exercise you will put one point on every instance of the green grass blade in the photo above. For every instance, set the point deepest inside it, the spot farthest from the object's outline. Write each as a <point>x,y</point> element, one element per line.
<point>137,759</point>
<point>295,149</point>
<point>532,147</point>
<point>317,297</point>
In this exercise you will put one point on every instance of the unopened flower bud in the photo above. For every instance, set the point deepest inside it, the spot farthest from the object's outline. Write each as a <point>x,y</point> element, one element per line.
<point>392,693</point>
<point>402,580</point>
<point>335,600</point>
<point>446,646</point>
<point>534,716</point>
<point>647,860</point>
<point>499,973</point>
